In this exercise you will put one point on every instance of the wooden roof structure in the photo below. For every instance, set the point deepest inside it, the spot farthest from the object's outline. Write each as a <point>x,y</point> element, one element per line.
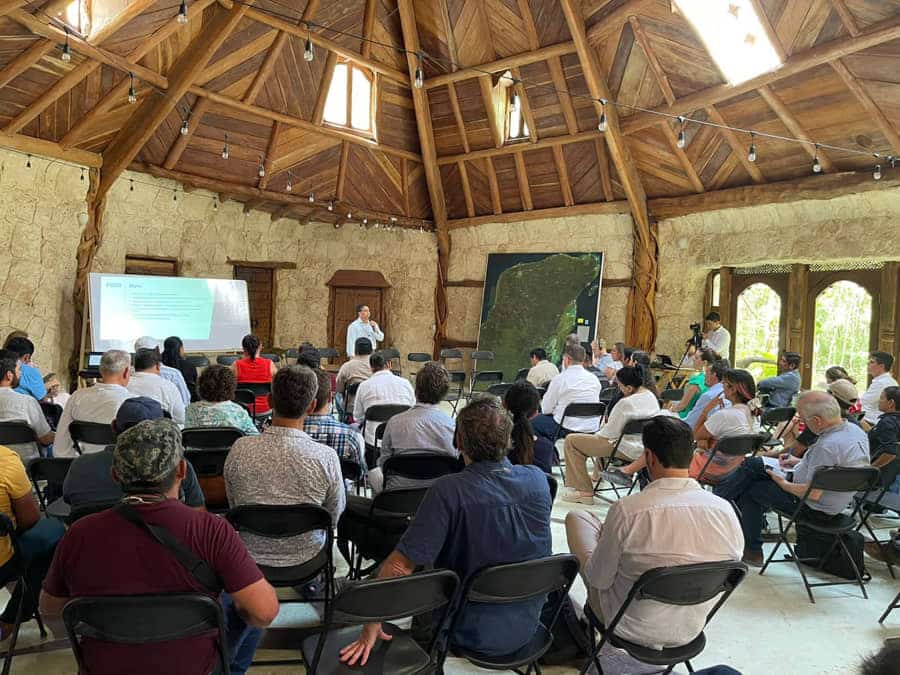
<point>438,157</point>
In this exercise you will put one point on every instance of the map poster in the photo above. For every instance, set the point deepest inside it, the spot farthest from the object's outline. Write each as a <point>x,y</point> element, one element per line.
<point>534,300</point>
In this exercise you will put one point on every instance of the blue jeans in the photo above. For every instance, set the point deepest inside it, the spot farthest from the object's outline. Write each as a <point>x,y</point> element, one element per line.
<point>37,545</point>
<point>545,426</point>
<point>242,639</point>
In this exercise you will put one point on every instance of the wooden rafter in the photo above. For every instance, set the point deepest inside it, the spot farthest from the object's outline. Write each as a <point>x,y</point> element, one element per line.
<point>534,41</point>
<point>563,174</point>
<point>866,101</point>
<point>605,173</point>
<point>369,16</point>
<point>617,18</point>
<point>236,57</point>
<point>45,100</point>
<point>269,157</point>
<point>790,122</point>
<point>846,16</point>
<point>38,146</point>
<point>501,65</point>
<point>496,202</point>
<point>685,161</point>
<point>737,148</point>
<point>562,88</point>
<point>7,6</point>
<point>546,142</point>
<point>662,80</point>
<point>25,60</point>
<point>183,140</point>
<point>457,115</point>
<point>467,189</point>
<point>522,178</point>
<point>537,214</point>
<point>342,171</point>
<point>874,35</point>
<point>324,86</point>
<point>486,86</point>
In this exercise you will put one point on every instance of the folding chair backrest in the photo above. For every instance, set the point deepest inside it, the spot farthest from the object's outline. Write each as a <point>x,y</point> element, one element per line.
<point>292,353</point>
<point>51,469</point>
<point>92,432</point>
<point>394,598</point>
<point>522,374</point>
<point>635,427</point>
<point>607,394</point>
<point>207,463</point>
<point>739,444</point>
<point>350,470</point>
<point>328,352</point>
<point>197,360</point>
<point>136,619</point>
<point>210,438</point>
<point>457,376</point>
<point>450,354</point>
<point>689,584</point>
<point>12,433</point>
<point>391,353</point>
<point>80,512</point>
<point>672,395</point>
<point>845,479</point>
<point>485,376</point>
<point>420,465</point>
<point>418,357</point>
<point>257,388</point>
<point>8,529</point>
<point>52,412</point>
<point>583,410</point>
<point>499,390</point>
<point>225,360</point>
<point>399,502</point>
<point>483,355</point>
<point>554,487</point>
<point>272,357</point>
<point>382,413</point>
<point>515,582</point>
<point>774,416</point>
<point>279,521</point>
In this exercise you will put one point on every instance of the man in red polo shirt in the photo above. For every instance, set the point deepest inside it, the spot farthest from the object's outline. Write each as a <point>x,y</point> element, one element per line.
<point>105,554</point>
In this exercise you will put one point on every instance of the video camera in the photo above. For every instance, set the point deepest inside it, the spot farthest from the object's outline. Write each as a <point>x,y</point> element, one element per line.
<point>697,338</point>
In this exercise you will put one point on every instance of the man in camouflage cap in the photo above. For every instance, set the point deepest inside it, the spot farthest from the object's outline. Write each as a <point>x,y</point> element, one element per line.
<point>149,457</point>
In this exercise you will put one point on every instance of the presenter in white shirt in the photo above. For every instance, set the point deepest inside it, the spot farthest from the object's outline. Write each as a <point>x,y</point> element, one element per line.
<point>363,327</point>
<point>716,336</point>
<point>879,368</point>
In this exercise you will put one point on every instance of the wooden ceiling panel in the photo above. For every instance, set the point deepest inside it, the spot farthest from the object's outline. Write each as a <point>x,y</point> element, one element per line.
<point>685,61</point>
<point>549,21</point>
<point>294,83</point>
<point>505,168</point>
<point>201,159</point>
<point>419,204</point>
<point>543,100</point>
<point>453,191</point>
<point>584,172</point>
<point>247,140</point>
<point>317,173</point>
<point>878,63</point>
<point>638,85</point>
<point>471,105</point>
<point>345,16</point>
<point>471,31</point>
<point>479,184</point>
<point>543,180</point>
<point>156,149</point>
<point>373,180</point>
<point>396,123</point>
<point>720,153</point>
<point>508,28</point>
<point>447,140</point>
<point>296,146</point>
<point>619,60</point>
<point>867,12</point>
<point>138,29</point>
<point>387,31</point>
<point>246,32</point>
<point>657,187</point>
<point>432,21</point>
<point>243,73</point>
<point>585,111</point>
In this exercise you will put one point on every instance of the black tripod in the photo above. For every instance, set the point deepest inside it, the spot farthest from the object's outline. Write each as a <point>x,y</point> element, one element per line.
<point>695,341</point>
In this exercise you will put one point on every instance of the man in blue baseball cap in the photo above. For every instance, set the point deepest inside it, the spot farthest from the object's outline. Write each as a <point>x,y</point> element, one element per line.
<point>89,480</point>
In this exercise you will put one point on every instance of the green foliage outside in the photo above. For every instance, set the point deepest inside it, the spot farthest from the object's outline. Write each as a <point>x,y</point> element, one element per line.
<point>756,330</point>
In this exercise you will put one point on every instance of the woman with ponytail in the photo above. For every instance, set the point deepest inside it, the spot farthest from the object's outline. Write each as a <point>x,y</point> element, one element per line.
<point>522,401</point>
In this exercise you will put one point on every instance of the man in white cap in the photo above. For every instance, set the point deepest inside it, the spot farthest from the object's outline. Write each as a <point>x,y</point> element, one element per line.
<point>173,375</point>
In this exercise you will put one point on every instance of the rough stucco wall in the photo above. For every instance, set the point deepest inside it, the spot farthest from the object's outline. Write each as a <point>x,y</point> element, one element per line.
<point>147,221</point>
<point>39,234</point>
<point>609,234</point>
<point>856,226</point>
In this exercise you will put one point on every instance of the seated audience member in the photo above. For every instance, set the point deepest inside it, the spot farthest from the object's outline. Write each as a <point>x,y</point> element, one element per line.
<point>309,356</point>
<point>491,512</point>
<point>354,371</point>
<point>879,369</point>
<point>97,404</point>
<point>16,407</point>
<point>216,407</point>
<point>322,427</point>
<point>672,521</point>
<point>884,661</point>
<point>641,358</point>
<point>637,403</point>
<point>732,421</point>
<point>166,372</point>
<point>37,538</point>
<point>522,401</point>
<point>90,480</point>
<point>382,388</point>
<point>757,489</point>
<point>542,370</point>
<point>173,357</point>
<point>834,374</point>
<point>422,428</point>
<point>713,374</point>
<point>284,465</point>
<point>55,393</point>
<point>15,333</point>
<point>784,386</point>
<point>617,353</point>
<point>602,358</point>
<point>254,369</point>
<point>589,361</point>
<point>885,435</point>
<point>149,464</point>
<point>146,381</point>
<point>695,385</point>
<point>573,385</point>
<point>31,383</point>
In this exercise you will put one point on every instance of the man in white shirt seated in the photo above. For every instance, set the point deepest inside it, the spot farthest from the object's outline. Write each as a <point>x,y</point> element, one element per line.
<point>173,375</point>
<point>16,407</point>
<point>673,521</point>
<point>716,336</point>
<point>879,368</point>
<point>542,371</point>
<point>98,404</point>
<point>573,385</point>
<point>146,381</point>
<point>382,388</point>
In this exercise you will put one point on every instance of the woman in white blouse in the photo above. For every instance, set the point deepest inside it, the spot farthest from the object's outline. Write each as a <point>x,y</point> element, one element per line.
<point>638,403</point>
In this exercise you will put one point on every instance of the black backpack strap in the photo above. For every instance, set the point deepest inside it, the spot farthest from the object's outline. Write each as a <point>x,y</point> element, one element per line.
<point>196,566</point>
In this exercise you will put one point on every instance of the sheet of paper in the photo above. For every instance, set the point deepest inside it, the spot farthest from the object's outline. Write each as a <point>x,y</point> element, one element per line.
<point>775,465</point>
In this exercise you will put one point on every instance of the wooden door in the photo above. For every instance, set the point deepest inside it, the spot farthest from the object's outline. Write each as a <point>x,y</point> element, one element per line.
<point>343,312</point>
<point>261,295</point>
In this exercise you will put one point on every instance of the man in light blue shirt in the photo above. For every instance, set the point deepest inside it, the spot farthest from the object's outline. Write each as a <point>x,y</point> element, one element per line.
<point>715,372</point>
<point>363,327</point>
<point>782,387</point>
<point>173,375</point>
<point>602,358</point>
<point>31,382</point>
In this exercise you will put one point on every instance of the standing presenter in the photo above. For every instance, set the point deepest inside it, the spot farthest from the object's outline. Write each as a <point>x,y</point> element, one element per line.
<point>363,327</point>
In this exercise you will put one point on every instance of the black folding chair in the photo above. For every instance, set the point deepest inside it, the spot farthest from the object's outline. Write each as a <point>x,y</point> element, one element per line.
<point>15,433</point>
<point>513,583</point>
<point>455,392</point>
<point>631,428</point>
<point>378,414</point>
<point>225,360</point>
<point>575,410</point>
<point>144,619</point>
<point>209,466</point>
<point>246,394</point>
<point>895,603</point>
<point>554,486</point>
<point>832,479</point>
<point>499,390</point>
<point>522,374</point>
<point>197,360</point>
<point>482,380</point>
<point>482,355</point>
<point>48,470</point>
<point>210,438</point>
<point>739,445</point>
<point>450,355</point>
<point>879,500</point>
<point>672,395</point>
<point>683,585</point>
<point>91,432</point>
<point>415,464</point>
<point>280,522</point>
<point>274,358</point>
<point>7,529</point>
<point>52,413</point>
<point>770,420</point>
<point>383,600</point>
<point>390,513</point>
<point>292,353</point>
<point>352,471</point>
<point>349,398</point>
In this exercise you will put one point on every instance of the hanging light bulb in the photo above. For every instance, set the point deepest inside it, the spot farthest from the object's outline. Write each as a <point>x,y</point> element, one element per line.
<point>893,161</point>
<point>182,13</point>
<point>261,171</point>
<point>132,94</point>
<point>225,148</point>
<point>817,165</point>
<point>82,175</point>
<point>312,198</point>
<point>66,50</point>
<point>174,195</point>
<point>185,128</point>
<point>308,54</point>
<point>877,174</point>
<point>131,186</point>
<point>420,74</point>
<point>290,183</point>
<point>682,139</point>
<point>365,221</point>
<point>215,203</point>
<point>28,162</point>
<point>337,225</point>
<point>330,206</point>
<point>751,156</point>
<point>602,125</point>
<point>349,215</point>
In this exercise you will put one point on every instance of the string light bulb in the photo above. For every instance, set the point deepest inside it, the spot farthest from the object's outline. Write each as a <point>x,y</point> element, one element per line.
<point>420,73</point>
<point>185,127</point>
<point>132,94</point>
<point>131,186</point>
<point>216,203</point>
<point>308,54</point>
<point>330,206</point>
<point>82,175</point>
<point>312,198</point>
<point>877,173</point>
<point>225,148</point>
<point>66,50</point>
<point>261,170</point>
<point>682,139</point>
<point>349,215</point>
<point>602,125</point>
<point>174,195</point>
<point>182,13</point>
<point>290,183</point>
<point>28,162</point>
<point>817,165</point>
<point>751,156</point>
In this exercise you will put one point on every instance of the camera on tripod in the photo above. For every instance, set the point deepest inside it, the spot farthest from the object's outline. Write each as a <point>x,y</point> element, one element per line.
<point>697,338</point>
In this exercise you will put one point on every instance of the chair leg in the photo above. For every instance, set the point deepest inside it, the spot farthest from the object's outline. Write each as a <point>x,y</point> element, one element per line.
<point>40,623</point>
<point>894,604</point>
<point>799,564</point>
<point>11,649</point>
<point>689,666</point>
<point>856,571</point>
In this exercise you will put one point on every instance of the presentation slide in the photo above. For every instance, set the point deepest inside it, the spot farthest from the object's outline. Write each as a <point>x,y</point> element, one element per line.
<point>207,314</point>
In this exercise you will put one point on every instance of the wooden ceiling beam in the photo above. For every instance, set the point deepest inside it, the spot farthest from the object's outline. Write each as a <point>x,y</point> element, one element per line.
<point>605,173</point>
<point>601,208</point>
<point>369,16</point>
<point>522,178</point>
<point>846,16</point>
<point>562,173</point>
<point>527,114</point>
<point>154,109</point>
<point>25,60</point>
<point>45,100</point>
<point>237,56</point>
<point>496,202</point>
<point>874,35</point>
<point>501,65</point>
<point>457,115</point>
<point>324,86</point>
<point>467,189</point>
<point>662,80</point>
<point>562,88</point>
<point>342,171</point>
<point>616,19</point>
<point>486,85</point>
<point>866,101</point>
<point>40,147</point>
<point>183,140</point>
<point>404,183</point>
<point>7,6</point>
<point>546,142</point>
<point>793,126</point>
<point>685,161</point>
<point>737,147</point>
<point>525,12</point>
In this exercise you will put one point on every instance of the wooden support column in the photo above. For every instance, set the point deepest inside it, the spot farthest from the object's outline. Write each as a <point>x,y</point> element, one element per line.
<point>798,292</point>
<point>889,311</point>
<point>726,283</point>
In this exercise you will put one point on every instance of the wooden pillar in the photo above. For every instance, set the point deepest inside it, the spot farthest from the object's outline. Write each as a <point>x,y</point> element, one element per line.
<point>726,279</point>
<point>798,295</point>
<point>889,312</point>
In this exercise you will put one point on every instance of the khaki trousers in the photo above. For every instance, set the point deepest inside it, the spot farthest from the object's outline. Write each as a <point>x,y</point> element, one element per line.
<point>578,447</point>
<point>583,530</point>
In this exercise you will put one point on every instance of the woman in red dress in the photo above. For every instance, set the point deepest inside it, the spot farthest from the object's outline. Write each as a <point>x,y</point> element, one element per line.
<point>254,369</point>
